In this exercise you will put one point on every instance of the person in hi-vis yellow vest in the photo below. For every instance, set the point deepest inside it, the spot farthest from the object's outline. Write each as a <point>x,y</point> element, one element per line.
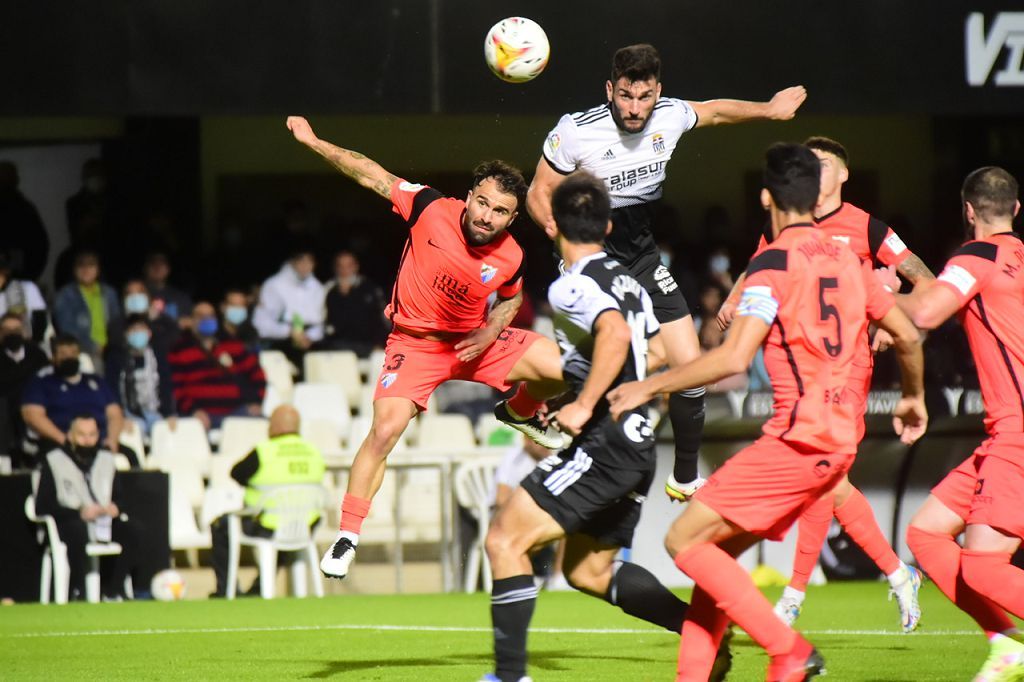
<point>283,459</point>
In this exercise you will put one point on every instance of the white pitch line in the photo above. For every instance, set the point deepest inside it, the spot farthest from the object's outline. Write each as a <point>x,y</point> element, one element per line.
<point>439,628</point>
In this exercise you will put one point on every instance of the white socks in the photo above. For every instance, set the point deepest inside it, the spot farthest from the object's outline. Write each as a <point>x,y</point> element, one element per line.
<point>899,576</point>
<point>794,594</point>
<point>352,537</point>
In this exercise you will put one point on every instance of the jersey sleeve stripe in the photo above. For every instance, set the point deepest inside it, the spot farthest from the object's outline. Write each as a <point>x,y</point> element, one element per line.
<point>1004,353</point>
<point>980,249</point>
<point>423,198</point>
<point>769,259</point>
<point>555,167</point>
<point>517,275</point>
<point>877,230</point>
<point>796,375</point>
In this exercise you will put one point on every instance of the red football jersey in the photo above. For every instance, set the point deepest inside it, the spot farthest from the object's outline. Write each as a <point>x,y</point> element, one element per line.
<point>987,277</point>
<point>443,282</point>
<point>867,236</point>
<point>817,296</point>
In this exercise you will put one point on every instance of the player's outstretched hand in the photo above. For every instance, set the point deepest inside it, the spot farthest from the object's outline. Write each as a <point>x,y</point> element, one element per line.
<point>572,418</point>
<point>881,341</point>
<point>910,419</point>
<point>784,104</point>
<point>474,343</point>
<point>725,314</point>
<point>628,396</point>
<point>301,129</point>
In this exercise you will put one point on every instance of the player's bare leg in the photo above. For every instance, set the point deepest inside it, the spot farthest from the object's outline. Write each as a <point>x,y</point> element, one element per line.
<point>703,545</point>
<point>539,372</point>
<point>685,409</point>
<point>391,416</point>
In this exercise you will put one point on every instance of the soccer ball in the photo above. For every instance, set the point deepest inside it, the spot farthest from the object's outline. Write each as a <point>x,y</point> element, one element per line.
<point>516,49</point>
<point>167,585</point>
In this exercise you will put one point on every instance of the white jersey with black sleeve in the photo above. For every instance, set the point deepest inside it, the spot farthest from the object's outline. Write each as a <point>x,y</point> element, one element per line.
<point>594,285</point>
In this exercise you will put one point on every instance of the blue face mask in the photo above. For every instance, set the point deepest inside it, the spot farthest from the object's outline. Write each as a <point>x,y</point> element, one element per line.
<point>138,339</point>
<point>236,314</point>
<point>136,303</point>
<point>207,326</point>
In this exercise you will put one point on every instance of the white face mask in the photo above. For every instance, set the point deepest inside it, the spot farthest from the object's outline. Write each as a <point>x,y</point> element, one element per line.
<point>719,264</point>
<point>665,257</point>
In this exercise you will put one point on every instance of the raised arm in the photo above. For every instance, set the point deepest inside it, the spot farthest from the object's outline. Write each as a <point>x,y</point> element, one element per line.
<point>538,197</point>
<point>781,107</point>
<point>366,172</point>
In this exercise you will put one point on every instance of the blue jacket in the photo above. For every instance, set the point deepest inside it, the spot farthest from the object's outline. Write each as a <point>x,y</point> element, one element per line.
<point>71,314</point>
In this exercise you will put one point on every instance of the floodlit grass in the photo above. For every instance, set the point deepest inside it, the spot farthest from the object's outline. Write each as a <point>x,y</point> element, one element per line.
<point>404,638</point>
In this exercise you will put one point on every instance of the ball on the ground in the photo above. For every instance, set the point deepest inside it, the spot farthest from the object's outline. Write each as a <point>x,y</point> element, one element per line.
<point>168,585</point>
<point>516,49</point>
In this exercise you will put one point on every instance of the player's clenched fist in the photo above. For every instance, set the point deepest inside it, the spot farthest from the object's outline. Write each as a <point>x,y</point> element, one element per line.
<point>784,104</point>
<point>301,129</point>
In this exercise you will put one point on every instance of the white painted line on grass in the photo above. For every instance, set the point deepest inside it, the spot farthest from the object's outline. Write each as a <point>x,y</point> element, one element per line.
<point>443,628</point>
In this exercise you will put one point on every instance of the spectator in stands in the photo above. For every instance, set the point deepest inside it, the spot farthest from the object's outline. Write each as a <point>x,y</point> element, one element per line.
<point>214,376</point>
<point>163,328</point>
<point>23,298</point>
<point>86,307</point>
<point>19,362</point>
<point>170,300</point>
<point>79,487</point>
<point>290,313</point>
<point>87,209</point>
<point>140,378</point>
<point>284,459</point>
<point>709,333</point>
<point>354,309</point>
<point>54,397</point>
<point>718,269</point>
<point>23,237</point>
<point>234,311</point>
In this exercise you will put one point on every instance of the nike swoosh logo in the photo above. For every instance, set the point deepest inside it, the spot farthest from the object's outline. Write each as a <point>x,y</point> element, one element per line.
<point>436,246</point>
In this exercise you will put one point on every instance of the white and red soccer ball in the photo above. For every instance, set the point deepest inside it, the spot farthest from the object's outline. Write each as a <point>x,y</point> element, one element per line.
<point>516,49</point>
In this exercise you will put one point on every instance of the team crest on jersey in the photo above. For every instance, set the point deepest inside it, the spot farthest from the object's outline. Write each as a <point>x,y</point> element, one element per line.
<point>658,143</point>
<point>553,142</point>
<point>387,379</point>
<point>487,272</point>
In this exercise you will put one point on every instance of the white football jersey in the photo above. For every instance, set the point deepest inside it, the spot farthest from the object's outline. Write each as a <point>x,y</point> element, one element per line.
<point>632,165</point>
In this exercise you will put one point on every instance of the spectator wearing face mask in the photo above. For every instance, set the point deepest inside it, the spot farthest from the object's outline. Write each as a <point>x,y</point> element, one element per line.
<point>214,376</point>
<point>86,307</point>
<point>168,299</point>
<point>718,269</point>
<point>354,308</point>
<point>141,379</point>
<point>234,312</point>
<point>19,362</point>
<point>290,313</point>
<point>164,330</point>
<point>56,396</point>
<point>23,298</point>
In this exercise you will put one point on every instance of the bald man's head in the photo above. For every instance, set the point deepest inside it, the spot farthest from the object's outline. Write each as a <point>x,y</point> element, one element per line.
<point>284,420</point>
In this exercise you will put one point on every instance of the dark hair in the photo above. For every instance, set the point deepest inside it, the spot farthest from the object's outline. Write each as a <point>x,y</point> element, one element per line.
<point>792,175</point>
<point>991,191</point>
<point>829,146</point>
<point>233,290</point>
<point>134,319</point>
<point>61,340</point>
<point>636,63</point>
<point>509,178</point>
<point>86,255</point>
<point>581,208</point>
<point>82,416</point>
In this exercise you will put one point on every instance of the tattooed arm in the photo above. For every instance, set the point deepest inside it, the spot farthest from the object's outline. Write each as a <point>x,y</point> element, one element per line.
<point>914,270</point>
<point>366,172</point>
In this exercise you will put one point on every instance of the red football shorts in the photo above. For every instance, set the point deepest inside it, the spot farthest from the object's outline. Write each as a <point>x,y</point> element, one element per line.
<point>988,487</point>
<point>414,367</point>
<point>765,487</point>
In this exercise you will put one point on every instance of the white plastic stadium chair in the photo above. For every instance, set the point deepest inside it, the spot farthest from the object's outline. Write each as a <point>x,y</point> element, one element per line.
<point>55,565</point>
<point>323,434</point>
<point>323,401</point>
<point>134,440</point>
<point>335,367</point>
<point>292,504</point>
<point>238,437</point>
<point>454,431</point>
<point>279,373</point>
<point>186,442</point>
<point>474,480</point>
<point>186,496</point>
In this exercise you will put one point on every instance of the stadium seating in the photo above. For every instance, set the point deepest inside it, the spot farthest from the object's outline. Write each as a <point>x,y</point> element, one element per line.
<point>335,367</point>
<point>279,372</point>
<point>324,401</point>
<point>186,496</point>
<point>474,481</point>
<point>187,441</point>
<point>292,504</point>
<point>134,439</point>
<point>453,431</point>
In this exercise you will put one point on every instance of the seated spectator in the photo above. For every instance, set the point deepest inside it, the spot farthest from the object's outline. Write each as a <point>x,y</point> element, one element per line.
<point>354,309</point>
<point>168,299</point>
<point>140,378</point>
<point>213,376</point>
<point>23,298</point>
<point>290,313</point>
<point>234,312</point>
<point>19,362</point>
<point>163,328</point>
<point>79,487</point>
<point>86,307</point>
<point>56,396</point>
<point>284,459</point>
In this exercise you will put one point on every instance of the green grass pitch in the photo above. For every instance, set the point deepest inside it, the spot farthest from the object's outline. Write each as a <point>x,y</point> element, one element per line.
<point>446,637</point>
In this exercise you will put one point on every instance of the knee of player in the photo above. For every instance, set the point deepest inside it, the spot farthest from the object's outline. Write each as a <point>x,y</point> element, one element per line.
<point>384,434</point>
<point>498,543</point>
